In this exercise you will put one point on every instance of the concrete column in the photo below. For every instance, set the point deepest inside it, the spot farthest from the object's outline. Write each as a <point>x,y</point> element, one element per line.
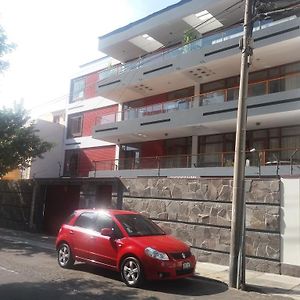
<point>194,150</point>
<point>36,189</point>
<point>119,115</point>
<point>117,156</point>
<point>196,94</point>
<point>120,192</point>
<point>290,226</point>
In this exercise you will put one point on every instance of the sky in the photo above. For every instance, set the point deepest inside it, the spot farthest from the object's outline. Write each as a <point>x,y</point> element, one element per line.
<point>53,38</point>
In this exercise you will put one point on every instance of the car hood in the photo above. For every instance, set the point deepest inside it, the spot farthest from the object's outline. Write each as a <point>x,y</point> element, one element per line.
<point>164,243</point>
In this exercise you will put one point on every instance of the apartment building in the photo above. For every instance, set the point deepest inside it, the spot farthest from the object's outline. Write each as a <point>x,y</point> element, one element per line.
<point>158,115</point>
<point>171,105</point>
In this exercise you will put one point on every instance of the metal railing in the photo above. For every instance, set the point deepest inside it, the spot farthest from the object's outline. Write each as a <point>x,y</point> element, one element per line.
<point>256,158</point>
<point>167,53</point>
<point>264,87</point>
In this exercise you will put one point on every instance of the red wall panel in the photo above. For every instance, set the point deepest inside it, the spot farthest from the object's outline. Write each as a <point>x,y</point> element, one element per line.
<point>152,148</point>
<point>87,156</point>
<point>90,117</point>
<point>90,85</point>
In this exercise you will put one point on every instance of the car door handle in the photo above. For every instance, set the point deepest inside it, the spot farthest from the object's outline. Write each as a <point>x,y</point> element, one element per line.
<point>71,232</point>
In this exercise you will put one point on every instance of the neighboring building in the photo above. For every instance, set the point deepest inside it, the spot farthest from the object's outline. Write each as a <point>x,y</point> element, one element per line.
<point>13,175</point>
<point>51,128</point>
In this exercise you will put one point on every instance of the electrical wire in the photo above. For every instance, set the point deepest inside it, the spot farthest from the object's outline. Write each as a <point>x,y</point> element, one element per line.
<point>216,15</point>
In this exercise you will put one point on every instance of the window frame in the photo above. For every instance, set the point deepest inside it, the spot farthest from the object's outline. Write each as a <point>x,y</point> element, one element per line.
<point>70,133</point>
<point>93,220</point>
<point>77,97</point>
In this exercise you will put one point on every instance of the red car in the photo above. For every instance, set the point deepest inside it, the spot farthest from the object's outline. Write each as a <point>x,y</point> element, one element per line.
<point>124,241</point>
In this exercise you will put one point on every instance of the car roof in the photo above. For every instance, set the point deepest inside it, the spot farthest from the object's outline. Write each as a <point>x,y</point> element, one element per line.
<point>108,211</point>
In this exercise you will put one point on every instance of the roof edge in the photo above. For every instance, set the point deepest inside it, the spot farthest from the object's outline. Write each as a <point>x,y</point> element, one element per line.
<point>126,27</point>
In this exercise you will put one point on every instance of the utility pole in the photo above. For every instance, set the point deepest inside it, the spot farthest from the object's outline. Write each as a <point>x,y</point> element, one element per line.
<point>237,259</point>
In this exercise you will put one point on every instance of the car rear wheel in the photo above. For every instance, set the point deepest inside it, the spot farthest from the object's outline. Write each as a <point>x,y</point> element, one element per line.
<point>64,256</point>
<point>131,272</point>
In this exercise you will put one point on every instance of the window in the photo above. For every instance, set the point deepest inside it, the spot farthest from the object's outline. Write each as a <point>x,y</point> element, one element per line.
<point>105,221</point>
<point>71,162</point>
<point>138,225</point>
<point>74,126</point>
<point>87,220</point>
<point>56,119</point>
<point>77,89</point>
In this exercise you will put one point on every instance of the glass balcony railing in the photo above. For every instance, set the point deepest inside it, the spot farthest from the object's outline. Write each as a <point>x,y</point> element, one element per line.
<point>195,45</point>
<point>281,84</point>
<point>257,158</point>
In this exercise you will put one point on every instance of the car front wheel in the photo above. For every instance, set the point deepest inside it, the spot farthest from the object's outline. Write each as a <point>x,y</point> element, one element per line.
<point>131,272</point>
<point>64,256</point>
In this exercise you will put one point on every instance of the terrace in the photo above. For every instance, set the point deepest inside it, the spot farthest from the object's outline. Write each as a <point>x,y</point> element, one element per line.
<point>265,87</point>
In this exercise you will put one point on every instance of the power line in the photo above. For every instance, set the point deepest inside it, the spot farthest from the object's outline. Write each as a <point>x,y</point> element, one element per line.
<point>214,17</point>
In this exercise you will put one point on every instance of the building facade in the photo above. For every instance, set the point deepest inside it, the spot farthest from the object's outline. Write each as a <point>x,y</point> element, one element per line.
<point>178,101</point>
<point>84,109</point>
<point>159,114</point>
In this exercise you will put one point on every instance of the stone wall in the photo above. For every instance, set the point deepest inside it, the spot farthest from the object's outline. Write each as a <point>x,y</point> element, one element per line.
<point>198,211</point>
<point>15,203</point>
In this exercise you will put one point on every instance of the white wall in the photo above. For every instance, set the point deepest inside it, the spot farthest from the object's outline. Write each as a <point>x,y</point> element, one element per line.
<point>48,167</point>
<point>290,221</point>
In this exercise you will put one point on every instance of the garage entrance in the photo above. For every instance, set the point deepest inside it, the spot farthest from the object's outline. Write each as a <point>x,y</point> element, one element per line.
<point>60,202</point>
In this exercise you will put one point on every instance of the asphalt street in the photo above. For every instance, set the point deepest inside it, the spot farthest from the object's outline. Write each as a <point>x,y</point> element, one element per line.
<point>29,270</point>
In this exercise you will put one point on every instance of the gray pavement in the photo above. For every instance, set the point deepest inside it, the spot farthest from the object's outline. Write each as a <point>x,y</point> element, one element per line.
<point>267,283</point>
<point>39,273</point>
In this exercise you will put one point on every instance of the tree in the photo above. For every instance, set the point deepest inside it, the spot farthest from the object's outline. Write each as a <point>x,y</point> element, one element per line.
<point>19,143</point>
<point>5,48</point>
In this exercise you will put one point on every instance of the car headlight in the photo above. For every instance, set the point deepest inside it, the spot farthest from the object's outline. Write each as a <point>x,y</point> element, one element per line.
<point>156,254</point>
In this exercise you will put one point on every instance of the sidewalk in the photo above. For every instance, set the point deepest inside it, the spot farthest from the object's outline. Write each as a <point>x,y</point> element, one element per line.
<point>265,283</point>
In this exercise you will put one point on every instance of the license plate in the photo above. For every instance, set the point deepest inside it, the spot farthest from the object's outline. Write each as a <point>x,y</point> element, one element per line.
<point>186,265</point>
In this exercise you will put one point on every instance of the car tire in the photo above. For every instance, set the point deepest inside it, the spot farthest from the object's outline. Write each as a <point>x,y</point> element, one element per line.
<point>131,272</point>
<point>64,256</point>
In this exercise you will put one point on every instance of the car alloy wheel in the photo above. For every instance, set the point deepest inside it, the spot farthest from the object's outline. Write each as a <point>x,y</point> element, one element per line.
<point>64,256</point>
<point>131,272</point>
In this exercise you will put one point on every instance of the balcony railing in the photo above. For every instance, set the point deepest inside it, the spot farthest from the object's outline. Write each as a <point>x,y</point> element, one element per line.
<point>265,87</point>
<point>195,45</point>
<point>256,158</point>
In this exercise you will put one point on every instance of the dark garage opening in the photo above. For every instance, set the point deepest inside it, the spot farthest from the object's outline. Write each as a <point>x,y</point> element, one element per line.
<point>61,201</point>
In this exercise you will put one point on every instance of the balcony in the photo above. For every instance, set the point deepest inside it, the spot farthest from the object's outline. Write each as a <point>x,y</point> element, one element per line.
<point>277,85</point>
<point>266,162</point>
<point>116,76</point>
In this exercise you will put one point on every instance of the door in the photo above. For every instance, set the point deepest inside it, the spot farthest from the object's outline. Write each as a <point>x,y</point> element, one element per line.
<point>83,235</point>
<point>61,201</point>
<point>105,248</point>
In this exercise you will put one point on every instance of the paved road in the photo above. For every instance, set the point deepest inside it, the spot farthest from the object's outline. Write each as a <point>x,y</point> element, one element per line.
<point>28,270</point>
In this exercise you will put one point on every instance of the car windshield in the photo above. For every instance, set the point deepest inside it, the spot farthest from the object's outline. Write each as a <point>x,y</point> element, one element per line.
<point>138,225</point>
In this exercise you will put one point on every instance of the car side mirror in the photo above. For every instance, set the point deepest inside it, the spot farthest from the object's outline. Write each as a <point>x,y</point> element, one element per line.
<point>107,232</point>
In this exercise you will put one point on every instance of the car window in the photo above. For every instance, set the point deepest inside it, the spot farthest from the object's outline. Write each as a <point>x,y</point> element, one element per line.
<point>87,220</point>
<point>105,221</point>
<point>138,225</point>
